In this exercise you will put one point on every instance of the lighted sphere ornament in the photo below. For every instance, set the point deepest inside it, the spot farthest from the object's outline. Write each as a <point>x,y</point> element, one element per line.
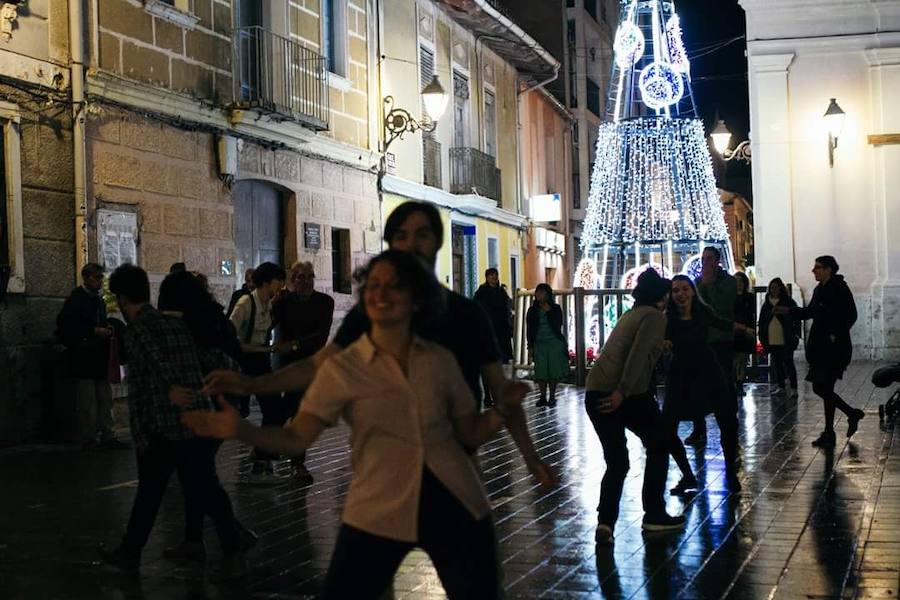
<point>693,266</point>
<point>629,279</point>
<point>660,85</point>
<point>677,54</point>
<point>629,45</point>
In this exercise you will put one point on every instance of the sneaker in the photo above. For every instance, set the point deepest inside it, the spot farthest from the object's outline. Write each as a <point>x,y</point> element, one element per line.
<point>853,421</point>
<point>186,552</point>
<point>827,439</point>
<point>125,561</point>
<point>684,486</point>
<point>603,535</point>
<point>663,522</point>
<point>696,439</point>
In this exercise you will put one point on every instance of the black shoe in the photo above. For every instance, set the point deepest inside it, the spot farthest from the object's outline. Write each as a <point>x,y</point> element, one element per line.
<point>551,402</point>
<point>127,562</point>
<point>541,402</point>
<point>663,522</point>
<point>828,439</point>
<point>186,552</point>
<point>302,474</point>
<point>733,483</point>
<point>696,439</point>
<point>853,421</point>
<point>684,486</point>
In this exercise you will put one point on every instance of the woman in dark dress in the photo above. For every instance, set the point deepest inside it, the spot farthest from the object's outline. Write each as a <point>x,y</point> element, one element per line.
<point>828,347</point>
<point>695,381</point>
<point>780,336</point>
<point>745,314</point>
<point>546,343</point>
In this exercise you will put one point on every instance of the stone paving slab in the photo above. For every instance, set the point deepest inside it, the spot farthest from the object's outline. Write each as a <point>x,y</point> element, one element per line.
<point>808,524</point>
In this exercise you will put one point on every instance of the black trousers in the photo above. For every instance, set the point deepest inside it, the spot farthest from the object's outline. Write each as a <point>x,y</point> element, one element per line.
<point>725,407</point>
<point>639,414</point>
<point>781,359</point>
<point>194,462</point>
<point>462,549</point>
<point>274,411</point>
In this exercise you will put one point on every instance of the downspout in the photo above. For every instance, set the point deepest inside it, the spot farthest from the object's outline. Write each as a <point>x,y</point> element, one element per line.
<point>76,49</point>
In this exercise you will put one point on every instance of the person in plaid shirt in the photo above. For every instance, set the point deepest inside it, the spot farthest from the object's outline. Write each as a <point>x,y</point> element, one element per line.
<point>162,354</point>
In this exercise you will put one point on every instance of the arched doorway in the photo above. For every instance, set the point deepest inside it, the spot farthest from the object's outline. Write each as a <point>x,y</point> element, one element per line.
<point>258,225</point>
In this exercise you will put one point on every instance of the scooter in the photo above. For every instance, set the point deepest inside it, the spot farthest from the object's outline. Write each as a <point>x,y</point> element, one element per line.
<point>882,378</point>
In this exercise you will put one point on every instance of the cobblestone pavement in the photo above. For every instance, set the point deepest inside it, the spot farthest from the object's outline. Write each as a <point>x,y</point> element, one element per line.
<point>806,525</point>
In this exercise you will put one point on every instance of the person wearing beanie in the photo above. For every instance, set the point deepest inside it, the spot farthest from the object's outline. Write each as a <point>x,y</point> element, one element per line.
<point>828,346</point>
<point>620,396</point>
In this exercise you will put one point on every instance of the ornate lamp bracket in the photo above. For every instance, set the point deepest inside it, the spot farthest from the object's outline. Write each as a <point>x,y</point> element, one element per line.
<point>742,152</point>
<point>399,121</point>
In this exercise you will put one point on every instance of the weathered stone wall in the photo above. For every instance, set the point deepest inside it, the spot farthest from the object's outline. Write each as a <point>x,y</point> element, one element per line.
<point>27,362</point>
<point>170,175</point>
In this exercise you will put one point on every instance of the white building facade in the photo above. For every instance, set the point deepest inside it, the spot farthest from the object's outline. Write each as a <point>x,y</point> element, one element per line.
<point>802,53</point>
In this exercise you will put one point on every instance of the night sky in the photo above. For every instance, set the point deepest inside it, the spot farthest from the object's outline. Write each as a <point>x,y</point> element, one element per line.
<point>719,75</point>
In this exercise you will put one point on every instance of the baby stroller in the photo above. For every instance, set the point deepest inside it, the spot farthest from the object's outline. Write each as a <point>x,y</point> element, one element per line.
<point>882,378</point>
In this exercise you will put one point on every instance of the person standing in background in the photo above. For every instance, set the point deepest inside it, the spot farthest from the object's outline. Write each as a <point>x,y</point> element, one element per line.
<point>779,335</point>
<point>744,345</point>
<point>492,296</point>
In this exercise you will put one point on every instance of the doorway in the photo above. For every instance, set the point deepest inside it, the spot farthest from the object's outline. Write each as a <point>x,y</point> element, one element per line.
<point>258,225</point>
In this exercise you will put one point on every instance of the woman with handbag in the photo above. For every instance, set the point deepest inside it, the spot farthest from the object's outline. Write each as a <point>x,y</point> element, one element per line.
<point>546,343</point>
<point>779,335</point>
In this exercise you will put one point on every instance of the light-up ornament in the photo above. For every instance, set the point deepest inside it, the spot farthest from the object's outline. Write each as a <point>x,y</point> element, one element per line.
<point>629,45</point>
<point>660,85</point>
<point>629,279</point>
<point>677,54</point>
<point>692,266</point>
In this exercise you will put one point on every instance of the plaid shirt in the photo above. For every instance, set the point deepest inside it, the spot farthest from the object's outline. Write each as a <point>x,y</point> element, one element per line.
<point>161,353</point>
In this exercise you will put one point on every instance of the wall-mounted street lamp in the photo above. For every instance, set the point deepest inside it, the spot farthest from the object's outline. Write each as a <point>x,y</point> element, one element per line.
<point>834,122</point>
<point>399,121</point>
<point>721,138</point>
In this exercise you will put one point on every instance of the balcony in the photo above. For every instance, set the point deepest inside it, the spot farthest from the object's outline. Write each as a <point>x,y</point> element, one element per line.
<point>278,76</point>
<point>431,153</point>
<point>474,172</point>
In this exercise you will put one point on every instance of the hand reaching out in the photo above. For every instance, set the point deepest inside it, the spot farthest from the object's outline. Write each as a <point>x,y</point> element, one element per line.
<point>221,424</point>
<point>227,382</point>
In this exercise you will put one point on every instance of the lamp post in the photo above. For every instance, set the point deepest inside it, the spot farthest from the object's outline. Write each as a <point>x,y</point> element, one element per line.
<point>834,122</point>
<point>721,138</point>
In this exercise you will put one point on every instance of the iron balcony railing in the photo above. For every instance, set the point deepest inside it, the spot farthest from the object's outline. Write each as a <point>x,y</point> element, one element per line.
<point>431,153</point>
<point>277,75</point>
<point>474,172</point>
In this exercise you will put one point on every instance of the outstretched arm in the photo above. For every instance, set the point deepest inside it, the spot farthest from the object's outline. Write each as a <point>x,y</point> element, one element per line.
<point>294,377</point>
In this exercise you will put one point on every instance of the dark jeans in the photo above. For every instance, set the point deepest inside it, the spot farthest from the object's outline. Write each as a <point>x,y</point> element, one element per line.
<point>274,410</point>
<point>462,549</point>
<point>781,359</point>
<point>726,406</point>
<point>824,389</point>
<point>194,462</point>
<point>639,414</point>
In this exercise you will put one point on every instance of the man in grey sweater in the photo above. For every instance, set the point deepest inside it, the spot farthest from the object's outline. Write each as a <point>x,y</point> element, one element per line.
<point>620,396</point>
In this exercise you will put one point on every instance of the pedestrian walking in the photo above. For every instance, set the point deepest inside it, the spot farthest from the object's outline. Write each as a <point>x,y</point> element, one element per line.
<point>779,335</point>
<point>411,416</point>
<point>547,347</point>
<point>495,301</point>
<point>620,396</point>
<point>744,345</point>
<point>828,346</point>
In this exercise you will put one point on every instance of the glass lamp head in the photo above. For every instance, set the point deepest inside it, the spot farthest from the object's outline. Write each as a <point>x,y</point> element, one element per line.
<point>435,99</point>
<point>721,137</point>
<point>834,119</point>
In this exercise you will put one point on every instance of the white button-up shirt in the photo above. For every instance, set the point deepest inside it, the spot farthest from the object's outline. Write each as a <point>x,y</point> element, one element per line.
<point>399,424</point>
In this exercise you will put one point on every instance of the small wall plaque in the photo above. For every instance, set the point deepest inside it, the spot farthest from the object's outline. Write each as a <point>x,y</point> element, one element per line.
<point>312,236</point>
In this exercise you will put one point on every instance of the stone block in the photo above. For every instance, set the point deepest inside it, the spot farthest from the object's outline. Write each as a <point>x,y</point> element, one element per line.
<point>47,157</point>
<point>192,78</point>
<point>170,36</point>
<point>157,257</point>
<point>180,220</point>
<point>267,162</point>
<point>127,19</point>
<point>201,258</point>
<point>310,28</point>
<point>311,171</point>
<point>352,182</point>
<point>370,187</point>
<point>333,177</point>
<point>364,213</point>
<point>248,159</point>
<point>109,53</point>
<point>321,206</point>
<point>143,135</point>
<point>49,267</point>
<point>287,166</point>
<point>356,104</point>
<point>158,177</point>
<point>223,89</point>
<point>48,215</point>
<point>204,10</point>
<point>151,217</point>
<point>187,182</point>
<point>343,210</point>
<point>304,204</point>
<point>145,64</point>
<point>335,99</point>
<point>121,170</point>
<point>222,19</point>
<point>178,143</point>
<point>103,128</point>
<point>215,224</point>
<point>322,265</point>
<point>358,51</point>
<point>208,49</point>
<point>344,130</point>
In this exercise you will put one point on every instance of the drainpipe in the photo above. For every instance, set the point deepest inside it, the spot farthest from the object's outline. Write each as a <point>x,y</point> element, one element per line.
<point>76,49</point>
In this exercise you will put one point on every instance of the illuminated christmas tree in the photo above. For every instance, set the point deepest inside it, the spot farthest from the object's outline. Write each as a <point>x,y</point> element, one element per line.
<point>653,198</point>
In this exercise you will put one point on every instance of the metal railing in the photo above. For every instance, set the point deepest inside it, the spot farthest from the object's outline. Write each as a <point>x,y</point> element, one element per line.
<point>473,171</point>
<point>599,310</point>
<point>277,75</point>
<point>431,154</point>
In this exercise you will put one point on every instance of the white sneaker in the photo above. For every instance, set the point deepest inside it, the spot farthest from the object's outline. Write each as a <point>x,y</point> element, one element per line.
<point>604,535</point>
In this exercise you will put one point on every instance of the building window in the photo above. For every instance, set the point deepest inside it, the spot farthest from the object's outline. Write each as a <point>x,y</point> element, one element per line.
<point>182,5</point>
<point>460,110</point>
<point>514,272</point>
<point>593,97</point>
<point>493,253</point>
<point>334,35</point>
<point>340,260</point>
<point>490,124</point>
<point>12,255</point>
<point>573,79</point>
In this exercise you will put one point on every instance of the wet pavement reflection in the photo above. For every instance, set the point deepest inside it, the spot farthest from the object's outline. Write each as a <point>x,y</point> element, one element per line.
<point>808,524</point>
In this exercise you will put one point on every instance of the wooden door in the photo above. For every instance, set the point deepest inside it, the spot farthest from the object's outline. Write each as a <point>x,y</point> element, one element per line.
<point>258,227</point>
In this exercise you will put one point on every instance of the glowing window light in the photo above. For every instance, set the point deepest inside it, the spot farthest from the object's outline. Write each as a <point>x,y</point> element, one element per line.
<point>629,45</point>
<point>660,85</point>
<point>677,54</point>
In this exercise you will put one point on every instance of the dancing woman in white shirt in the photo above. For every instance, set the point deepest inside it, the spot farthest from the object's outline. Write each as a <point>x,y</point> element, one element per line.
<point>411,415</point>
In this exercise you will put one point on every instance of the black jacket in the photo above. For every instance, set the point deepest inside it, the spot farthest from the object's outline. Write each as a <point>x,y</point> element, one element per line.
<point>789,325</point>
<point>497,304</point>
<point>833,312</point>
<point>87,353</point>
<point>532,319</point>
<point>745,314</point>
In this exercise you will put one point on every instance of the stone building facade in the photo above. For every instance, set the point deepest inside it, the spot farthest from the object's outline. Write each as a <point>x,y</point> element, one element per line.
<point>739,221</point>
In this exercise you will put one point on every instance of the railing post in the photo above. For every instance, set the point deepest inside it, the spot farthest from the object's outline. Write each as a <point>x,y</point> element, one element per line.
<point>580,350</point>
